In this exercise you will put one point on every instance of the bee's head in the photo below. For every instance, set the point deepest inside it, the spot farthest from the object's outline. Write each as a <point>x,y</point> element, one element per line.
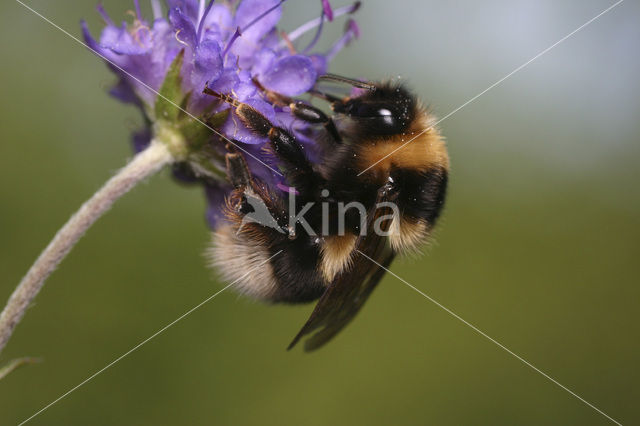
<point>384,110</point>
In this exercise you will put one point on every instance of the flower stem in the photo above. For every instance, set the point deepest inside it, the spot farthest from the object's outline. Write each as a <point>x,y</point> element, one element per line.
<point>146,163</point>
<point>15,364</point>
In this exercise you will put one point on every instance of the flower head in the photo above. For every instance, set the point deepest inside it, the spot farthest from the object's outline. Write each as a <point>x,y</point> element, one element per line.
<point>165,63</point>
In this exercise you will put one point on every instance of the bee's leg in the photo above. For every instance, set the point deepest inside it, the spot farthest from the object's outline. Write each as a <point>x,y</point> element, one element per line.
<point>311,114</point>
<point>297,167</point>
<point>237,170</point>
<point>305,112</point>
<point>251,201</point>
<point>240,178</point>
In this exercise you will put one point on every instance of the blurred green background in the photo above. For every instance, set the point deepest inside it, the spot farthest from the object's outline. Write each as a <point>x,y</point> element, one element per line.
<point>538,247</point>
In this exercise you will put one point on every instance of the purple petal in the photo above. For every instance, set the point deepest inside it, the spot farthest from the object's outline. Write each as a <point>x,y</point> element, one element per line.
<point>249,10</point>
<point>215,203</point>
<point>123,91</point>
<point>226,82</point>
<point>256,162</point>
<point>219,21</point>
<point>244,89</point>
<point>107,54</point>
<point>188,7</point>
<point>120,41</point>
<point>319,64</point>
<point>235,130</point>
<point>263,60</point>
<point>207,64</point>
<point>290,76</point>
<point>271,39</point>
<point>88,38</point>
<point>141,139</point>
<point>183,27</point>
<point>152,68</point>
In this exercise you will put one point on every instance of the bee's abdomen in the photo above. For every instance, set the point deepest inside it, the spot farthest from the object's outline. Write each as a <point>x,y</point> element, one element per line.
<point>273,269</point>
<point>296,271</point>
<point>242,263</point>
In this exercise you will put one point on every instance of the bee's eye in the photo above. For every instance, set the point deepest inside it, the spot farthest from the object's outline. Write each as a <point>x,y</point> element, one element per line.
<point>379,115</point>
<point>369,110</point>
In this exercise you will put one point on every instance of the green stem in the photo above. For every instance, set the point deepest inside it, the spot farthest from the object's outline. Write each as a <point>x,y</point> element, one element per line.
<point>145,164</point>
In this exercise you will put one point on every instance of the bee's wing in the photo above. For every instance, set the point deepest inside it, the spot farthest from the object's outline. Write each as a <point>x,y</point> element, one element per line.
<point>347,293</point>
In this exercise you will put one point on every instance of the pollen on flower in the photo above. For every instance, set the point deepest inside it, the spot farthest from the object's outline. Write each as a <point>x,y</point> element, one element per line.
<point>165,61</point>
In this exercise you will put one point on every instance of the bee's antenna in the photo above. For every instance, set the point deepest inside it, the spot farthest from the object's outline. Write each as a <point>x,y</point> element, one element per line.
<point>350,81</point>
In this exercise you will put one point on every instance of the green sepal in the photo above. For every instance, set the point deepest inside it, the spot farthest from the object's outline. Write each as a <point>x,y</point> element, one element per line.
<point>197,134</point>
<point>187,137</point>
<point>171,92</point>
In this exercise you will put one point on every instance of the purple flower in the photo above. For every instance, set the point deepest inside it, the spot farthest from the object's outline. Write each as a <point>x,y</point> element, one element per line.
<point>229,48</point>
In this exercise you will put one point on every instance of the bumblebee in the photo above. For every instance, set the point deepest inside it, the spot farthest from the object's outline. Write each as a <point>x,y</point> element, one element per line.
<point>367,199</point>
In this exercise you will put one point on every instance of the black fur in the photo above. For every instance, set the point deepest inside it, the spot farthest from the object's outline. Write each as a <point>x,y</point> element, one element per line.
<point>296,270</point>
<point>421,195</point>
